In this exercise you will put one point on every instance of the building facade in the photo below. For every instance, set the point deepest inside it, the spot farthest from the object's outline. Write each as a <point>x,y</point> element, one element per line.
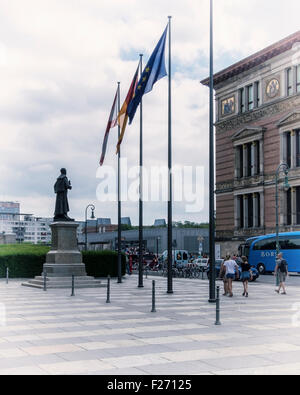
<point>257,128</point>
<point>154,239</point>
<point>18,227</point>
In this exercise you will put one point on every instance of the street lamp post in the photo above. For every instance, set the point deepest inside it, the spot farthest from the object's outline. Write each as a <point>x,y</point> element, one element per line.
<point>92,217</point>
<point>282,167</point>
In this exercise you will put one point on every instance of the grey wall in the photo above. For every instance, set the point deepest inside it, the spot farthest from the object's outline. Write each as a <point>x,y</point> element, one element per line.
<point>185,238</point>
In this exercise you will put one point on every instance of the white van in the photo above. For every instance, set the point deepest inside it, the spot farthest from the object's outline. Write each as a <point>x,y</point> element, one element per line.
<point>180,257</point>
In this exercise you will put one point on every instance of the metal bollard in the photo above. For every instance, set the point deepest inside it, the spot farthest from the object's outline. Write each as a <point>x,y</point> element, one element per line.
<point>218,307</point>
<point>202,273</point>
<point>7,275</point>
<point>108,289</point>
<point>73,285</point>
<point>45,281</point>
<point>146,272</point>
<point>153,297</point>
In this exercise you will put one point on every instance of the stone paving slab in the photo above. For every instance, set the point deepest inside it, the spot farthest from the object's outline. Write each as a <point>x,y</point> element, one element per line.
<point>51,333</point>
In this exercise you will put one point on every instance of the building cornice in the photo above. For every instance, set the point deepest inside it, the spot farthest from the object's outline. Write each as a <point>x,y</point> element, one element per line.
<point>256,59</point>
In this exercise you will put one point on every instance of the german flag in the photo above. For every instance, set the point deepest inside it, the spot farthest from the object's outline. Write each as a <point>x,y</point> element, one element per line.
<point>123,115</point>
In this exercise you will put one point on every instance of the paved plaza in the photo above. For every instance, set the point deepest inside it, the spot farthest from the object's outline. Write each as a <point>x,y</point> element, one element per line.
<point>48,333</point>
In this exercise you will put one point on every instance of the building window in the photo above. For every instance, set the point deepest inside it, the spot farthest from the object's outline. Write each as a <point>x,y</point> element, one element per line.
<point>298,79</point>
<point>298,205</point>
<point>298,148</point>
<point>290,210</point>
<point>288,149</point>
<point>250,164</point>
<point>250,100</point>
<point>257,94</point>
<point>247,160</point>
<point>241,207</point>
<point>289,81</point>
<point>250,211</point>
<point>251,217</point>
<point>257,158</point>
<point>289,207</point>
<point>242,100</point>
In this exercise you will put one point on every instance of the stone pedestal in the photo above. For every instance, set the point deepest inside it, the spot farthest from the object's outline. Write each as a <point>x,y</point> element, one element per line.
<point>63,260</point>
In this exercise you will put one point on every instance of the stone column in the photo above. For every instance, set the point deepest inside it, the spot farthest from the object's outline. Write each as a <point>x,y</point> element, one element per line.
<point>261,157</point>
<point>237,213</point>
<point>246,222</point>
<point>294,206</point>
<point>245,161</point>
<point>293,149</point>
<point>254,167</point>
<point>237,169</point>
<point>255,210</point>
<point>262,210</point>
<point>283,156</point>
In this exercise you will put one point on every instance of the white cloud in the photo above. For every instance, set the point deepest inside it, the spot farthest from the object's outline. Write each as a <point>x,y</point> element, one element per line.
<point>59,65</point>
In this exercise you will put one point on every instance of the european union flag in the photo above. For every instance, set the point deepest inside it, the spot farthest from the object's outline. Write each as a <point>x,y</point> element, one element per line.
<point>154,71</point>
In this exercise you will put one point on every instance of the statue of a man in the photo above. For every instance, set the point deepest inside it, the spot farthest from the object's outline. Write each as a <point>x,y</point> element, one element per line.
<point>61,189</point>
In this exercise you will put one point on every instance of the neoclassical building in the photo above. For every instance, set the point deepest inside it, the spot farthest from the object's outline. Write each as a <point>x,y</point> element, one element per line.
<point>257,128</point>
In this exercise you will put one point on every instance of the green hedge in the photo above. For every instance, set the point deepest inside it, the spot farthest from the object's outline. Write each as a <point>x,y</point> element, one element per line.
<point>26,261</point>
<point>23,260</point>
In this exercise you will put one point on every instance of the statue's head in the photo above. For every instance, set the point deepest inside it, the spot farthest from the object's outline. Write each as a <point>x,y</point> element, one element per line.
<point>63,171</point>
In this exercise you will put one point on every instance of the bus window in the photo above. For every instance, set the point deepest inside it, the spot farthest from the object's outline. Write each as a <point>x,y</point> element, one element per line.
<point>266,244</point>
<point>246,250</point>
<point>291,243</point>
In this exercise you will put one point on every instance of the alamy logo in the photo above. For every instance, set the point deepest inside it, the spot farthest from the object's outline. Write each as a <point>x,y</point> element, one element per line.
<point>188,185</point>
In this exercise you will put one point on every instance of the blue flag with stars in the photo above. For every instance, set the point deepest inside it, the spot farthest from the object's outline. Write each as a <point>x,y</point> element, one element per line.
<point>154,71</point>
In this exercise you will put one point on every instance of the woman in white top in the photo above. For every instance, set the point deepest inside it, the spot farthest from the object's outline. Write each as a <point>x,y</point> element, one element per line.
<point>231,270</point>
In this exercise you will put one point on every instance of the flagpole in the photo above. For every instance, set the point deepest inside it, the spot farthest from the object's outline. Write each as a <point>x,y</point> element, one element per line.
<point>119,199</point>
<point>140,285</point>
<point>212,281</point>
<point>170,236</point>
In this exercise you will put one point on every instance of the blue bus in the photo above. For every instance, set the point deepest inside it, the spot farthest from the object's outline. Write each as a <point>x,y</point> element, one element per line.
<point>261,251</point>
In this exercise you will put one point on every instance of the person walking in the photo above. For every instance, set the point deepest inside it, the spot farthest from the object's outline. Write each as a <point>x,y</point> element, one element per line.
<point>281,270</point>
<point>223,277</point>
<point>277,274</point>
<point>231,270</point>
<point>246,275</point>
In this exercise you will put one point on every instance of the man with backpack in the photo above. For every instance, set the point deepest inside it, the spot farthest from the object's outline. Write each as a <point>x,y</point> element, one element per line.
<point>281,270</point>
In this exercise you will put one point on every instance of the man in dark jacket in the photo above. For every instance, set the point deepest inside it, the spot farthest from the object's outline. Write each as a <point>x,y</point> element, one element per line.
<point>61,189</point>
<point>281,270</point>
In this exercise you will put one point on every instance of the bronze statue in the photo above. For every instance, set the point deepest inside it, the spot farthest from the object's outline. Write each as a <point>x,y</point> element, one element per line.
<point>61,189</point>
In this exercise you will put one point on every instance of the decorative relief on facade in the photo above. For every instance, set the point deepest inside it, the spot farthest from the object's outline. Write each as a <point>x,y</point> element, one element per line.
<point>224,187</point>
<point>228,106</point>
<point>245,233</point>
<point>253,116</point>
<point>249,182</point>
<point>248,132</point>
<point>289,119</point>
<point>272,88</point>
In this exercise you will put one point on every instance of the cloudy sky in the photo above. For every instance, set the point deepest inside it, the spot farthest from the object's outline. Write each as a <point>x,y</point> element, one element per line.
<point>60,61</point>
